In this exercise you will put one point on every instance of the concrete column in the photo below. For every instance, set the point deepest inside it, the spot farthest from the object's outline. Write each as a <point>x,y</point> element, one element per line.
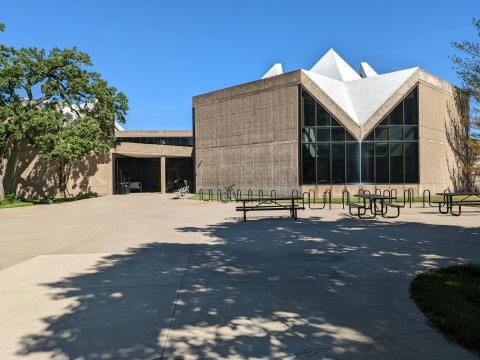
<point>163,176</point>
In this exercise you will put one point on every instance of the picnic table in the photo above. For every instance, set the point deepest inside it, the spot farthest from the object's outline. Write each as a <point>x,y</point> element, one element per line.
<point>377,204</point>
<point>267,204</point>
<point>471,198</point>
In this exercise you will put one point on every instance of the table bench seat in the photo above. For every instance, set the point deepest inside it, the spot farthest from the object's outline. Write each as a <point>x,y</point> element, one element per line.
<point>266,204</point>
<point>395,205</point>
<point>265,208</point>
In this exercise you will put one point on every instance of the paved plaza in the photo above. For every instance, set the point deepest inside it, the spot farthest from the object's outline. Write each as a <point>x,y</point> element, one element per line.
<point>146,277</point>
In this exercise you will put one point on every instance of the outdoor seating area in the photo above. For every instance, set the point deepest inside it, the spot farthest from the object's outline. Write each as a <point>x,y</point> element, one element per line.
<point>326,285</point>
<point>385,204</point>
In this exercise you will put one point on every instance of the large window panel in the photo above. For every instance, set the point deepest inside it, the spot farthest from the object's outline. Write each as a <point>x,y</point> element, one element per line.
<point>338,134</point>
<point>396,133</point>
<point>411,108</point>
<point>411,133</point>
<point>323,163</point>
<point>396,116</point>
<point>381,134</point>
<point>323,134</point>
<point>338,163</point>
<point>353,162</point>
<point>308,109</point>
<point>381,163</point>
<point>323,117</point>
<point>396,163</point>
<point>411,162</point>
<point>309,135</point>
<point>308,165</point>
<point>368,164</point>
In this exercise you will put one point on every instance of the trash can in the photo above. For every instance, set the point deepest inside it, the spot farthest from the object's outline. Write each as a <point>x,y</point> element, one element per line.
<point>124,188</point>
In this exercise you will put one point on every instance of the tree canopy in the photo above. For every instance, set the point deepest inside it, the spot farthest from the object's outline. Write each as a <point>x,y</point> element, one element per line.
<point>53,101</point>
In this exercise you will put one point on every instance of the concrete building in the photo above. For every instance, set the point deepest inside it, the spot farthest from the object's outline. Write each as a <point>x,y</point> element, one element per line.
<point>156,159</point>
<point>329,127</point>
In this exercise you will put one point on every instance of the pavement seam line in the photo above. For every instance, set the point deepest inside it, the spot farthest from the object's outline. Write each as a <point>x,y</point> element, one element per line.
<point>175,305</point>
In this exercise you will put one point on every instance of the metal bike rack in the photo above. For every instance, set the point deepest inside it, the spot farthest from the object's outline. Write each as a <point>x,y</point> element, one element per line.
<point>410,195</point>
<point>200,194</point>
<point>250,194</point>
<point>210,194</point>
<point>345,196</point>
<point>387,192</point>
<point>273,194</point>
<point>260,193</point>
<point>239,194</point>
<point>427,192</point>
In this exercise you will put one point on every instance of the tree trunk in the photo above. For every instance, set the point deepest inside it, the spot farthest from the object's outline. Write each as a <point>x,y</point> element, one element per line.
<point>3,170</point>
<point>62,181</point>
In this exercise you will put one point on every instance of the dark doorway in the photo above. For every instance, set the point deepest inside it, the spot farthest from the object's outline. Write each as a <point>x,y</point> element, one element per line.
<point>143,170</point>
<point>179,170</point>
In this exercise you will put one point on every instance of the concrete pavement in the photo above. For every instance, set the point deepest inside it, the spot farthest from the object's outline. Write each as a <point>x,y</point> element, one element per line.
<point>146,277</point>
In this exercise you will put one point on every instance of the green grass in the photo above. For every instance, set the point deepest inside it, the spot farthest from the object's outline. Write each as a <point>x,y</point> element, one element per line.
<point>11,202</point>
<point>450,298</point>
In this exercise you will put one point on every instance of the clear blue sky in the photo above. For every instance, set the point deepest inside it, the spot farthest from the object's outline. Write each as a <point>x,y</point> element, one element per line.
<point>161,53</point>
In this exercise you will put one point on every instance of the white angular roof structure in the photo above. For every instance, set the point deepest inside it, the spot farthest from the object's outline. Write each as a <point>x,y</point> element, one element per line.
<point>366,70</point>
<point>273,71</point>
<point>358,95</point>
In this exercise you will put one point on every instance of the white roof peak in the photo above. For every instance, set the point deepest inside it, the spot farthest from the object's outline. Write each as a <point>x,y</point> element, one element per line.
<point>333,66</point>
<point>366,70</point>
<point>275,70</point>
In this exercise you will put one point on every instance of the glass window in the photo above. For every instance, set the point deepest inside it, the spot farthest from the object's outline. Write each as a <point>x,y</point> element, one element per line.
<point>370,137</point>
<point>338,134</point>
<point>323,134</point>
<point>368,168</point>
<point>381,163</point>
<point>323,117</point>
<point>381,134</point>
<point>323,163</point>
<point>396,163</point>
<point>411,162</point>
<point>308,110</point>
<point>411,108</point>
<point>338,163</point>
<point>308,135</point>
<point>349,137</point>
<point>411,133</point>
<point>388,154</point>
<point>335,122</point>
<point>308,164</point>
<point>396,133</point>
<point>353,162</point>
<point>396,116</point>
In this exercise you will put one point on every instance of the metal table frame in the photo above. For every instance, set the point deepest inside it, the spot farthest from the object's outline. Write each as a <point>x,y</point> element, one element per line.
<point>375,209</point>
<point>449,203</point>
<point>268,204</point>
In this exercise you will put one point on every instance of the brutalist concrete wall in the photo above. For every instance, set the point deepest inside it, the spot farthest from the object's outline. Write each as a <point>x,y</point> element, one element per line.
<point>247,136</point>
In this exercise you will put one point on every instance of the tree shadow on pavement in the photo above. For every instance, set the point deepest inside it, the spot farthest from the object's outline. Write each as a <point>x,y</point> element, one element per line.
<point>261,289</point>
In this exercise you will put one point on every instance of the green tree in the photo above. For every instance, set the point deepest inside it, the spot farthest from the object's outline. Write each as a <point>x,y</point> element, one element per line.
<point>467,127</point>
<point>52,101</point>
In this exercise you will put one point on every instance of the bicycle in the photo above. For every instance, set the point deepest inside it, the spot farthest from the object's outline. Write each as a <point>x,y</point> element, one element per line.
<point>227,194</point>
